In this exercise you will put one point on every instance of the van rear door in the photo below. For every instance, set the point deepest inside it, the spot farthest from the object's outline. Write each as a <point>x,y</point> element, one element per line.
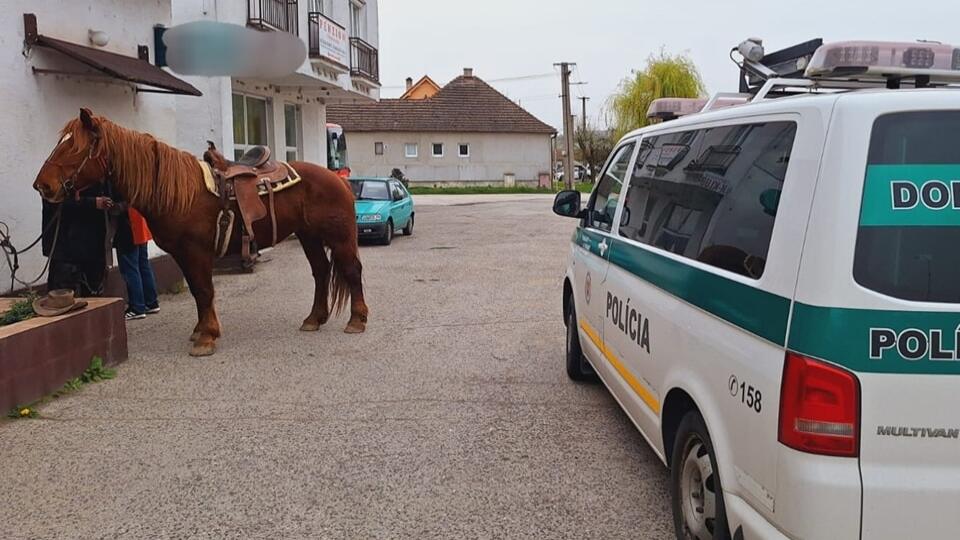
<point>880,296</point>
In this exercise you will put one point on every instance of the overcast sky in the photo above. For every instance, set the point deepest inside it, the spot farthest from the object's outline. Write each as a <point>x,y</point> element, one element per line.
<point>505,39</point>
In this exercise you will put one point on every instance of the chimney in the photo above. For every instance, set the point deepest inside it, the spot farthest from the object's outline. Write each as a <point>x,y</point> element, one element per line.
<point>468,72</point>
<point>409,82</point>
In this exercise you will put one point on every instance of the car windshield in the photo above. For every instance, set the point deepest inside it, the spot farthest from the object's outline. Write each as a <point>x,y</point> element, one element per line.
<point>372,190</point>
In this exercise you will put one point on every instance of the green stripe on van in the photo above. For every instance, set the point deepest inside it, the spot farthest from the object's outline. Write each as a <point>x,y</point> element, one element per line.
<point>843,336</point>
<point>756,311</point>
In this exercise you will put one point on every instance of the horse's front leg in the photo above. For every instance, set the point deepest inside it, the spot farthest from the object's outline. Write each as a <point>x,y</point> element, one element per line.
<point>197,268</point>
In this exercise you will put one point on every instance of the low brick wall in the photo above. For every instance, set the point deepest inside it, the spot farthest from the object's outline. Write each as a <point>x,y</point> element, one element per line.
<point>38,355</point>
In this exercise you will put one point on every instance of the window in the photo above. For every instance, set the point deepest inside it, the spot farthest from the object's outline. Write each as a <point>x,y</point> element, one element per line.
<point>322,6</point>
<point>410,150</point>
<point>378,148</point>
<point>710,194</point>
<point>397,191</point>
<point>358,20</point>
<point>910,214</point>
<point>437,149</point>
<point>603,202</point>
<point>463,150</point>
<point>291,128</point>
<point>249,123</point>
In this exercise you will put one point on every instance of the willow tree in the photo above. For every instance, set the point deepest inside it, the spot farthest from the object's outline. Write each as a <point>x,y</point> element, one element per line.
<point>665,75</point>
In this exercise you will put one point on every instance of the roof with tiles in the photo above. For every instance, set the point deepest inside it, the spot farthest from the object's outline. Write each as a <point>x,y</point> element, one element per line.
<point>465,105</point>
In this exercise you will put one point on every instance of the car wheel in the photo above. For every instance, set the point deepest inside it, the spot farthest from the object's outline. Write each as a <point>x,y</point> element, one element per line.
<point>387,233</point>
<point>697,496</point>
<point>578,368</point>
<point>408,230</point>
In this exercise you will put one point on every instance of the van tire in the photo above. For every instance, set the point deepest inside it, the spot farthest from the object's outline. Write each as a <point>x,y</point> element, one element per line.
<point>695,487</point>
<point>578,368</point>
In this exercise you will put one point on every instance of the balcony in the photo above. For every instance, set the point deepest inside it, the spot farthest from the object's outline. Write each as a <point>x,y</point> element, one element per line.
<point>280,15</point>
<point>364,60</point>
<point>328,40</point>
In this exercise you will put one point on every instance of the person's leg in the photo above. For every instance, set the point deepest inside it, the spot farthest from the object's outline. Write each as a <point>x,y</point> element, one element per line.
<point>128,262</point>
<point>150,299</point>
<point>62,275</point>
<point>92,275</point>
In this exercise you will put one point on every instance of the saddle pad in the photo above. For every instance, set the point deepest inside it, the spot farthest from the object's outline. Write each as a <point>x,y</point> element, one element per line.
<point>211,184</point>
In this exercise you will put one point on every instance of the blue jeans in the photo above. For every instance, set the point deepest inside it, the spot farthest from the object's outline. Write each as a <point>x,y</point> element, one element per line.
<point>141,286</point>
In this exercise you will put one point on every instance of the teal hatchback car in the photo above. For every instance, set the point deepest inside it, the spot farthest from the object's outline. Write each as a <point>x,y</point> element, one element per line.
<point>383,206</point>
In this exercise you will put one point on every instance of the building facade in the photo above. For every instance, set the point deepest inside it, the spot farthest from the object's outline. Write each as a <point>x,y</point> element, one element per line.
<point>48,77</point>
<point>465,133</point>
<point>54,70</point>
<point>287,114</point>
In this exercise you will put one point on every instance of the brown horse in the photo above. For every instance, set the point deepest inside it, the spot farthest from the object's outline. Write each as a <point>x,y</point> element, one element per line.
<point>166,185</point>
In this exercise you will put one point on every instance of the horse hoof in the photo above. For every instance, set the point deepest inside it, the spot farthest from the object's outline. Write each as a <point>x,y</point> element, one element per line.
<point>355,328</point>
<point>205,349</point>
<point>194,337</point>
<point>309,327</point>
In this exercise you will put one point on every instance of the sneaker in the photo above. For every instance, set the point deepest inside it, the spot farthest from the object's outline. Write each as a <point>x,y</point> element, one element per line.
<point>132,316</point>
<point>153,310</point>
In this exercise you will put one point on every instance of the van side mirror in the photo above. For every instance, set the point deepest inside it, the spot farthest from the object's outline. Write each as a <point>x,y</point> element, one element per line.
<point>567,204</point>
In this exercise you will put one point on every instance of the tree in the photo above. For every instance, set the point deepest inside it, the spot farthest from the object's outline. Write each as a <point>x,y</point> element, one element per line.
<point>593,145</point>
<point>664,76</point>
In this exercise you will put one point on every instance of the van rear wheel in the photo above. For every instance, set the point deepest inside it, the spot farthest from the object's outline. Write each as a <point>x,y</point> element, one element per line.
<point>578,368</point>
<point>697,496</point>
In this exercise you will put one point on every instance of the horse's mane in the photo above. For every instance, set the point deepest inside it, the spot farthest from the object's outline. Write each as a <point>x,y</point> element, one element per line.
<point>153,175</point>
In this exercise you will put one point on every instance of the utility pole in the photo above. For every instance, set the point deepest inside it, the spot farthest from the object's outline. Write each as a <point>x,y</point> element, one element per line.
<point>567,123</point>
<point>583,115</point>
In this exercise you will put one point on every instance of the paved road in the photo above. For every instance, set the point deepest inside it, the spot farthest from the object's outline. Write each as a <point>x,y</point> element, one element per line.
<point>450,418</point>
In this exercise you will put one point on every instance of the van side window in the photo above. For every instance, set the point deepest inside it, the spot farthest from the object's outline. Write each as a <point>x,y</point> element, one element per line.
<point>603,202</point>
<point>910,214</point>
<point>711,194</point>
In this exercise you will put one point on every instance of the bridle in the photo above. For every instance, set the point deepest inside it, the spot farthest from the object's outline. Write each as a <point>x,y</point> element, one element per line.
<point>68,185</point>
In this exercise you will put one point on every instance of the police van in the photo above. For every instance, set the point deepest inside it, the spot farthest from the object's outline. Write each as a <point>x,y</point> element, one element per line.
<point>771,291</point>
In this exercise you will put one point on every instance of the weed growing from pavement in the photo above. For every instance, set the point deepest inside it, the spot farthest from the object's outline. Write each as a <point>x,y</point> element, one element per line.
<point>95,373</point>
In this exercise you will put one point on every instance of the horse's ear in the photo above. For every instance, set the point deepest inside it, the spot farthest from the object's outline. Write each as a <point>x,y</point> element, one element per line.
<point>86,118</point>
<point>211,146</point>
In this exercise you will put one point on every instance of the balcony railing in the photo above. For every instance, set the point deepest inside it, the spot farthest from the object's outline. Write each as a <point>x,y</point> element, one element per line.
<point>273,15</point>
<point>327,39</point>
<point>364,60</point>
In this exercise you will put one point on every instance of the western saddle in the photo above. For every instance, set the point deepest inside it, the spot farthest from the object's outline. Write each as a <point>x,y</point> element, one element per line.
<point>245,181</point>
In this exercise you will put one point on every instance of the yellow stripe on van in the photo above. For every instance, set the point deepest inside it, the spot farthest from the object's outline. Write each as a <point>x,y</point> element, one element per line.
<point>646,395</point>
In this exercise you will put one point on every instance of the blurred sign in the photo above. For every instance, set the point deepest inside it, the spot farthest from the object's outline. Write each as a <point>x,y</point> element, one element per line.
<point>220,49</point>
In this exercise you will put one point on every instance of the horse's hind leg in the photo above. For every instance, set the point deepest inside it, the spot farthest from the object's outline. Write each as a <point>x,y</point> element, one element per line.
<point>348,273</point>
<point>320,266</point>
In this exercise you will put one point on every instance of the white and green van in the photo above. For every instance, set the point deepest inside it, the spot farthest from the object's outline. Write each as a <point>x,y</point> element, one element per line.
<point>771,291</point>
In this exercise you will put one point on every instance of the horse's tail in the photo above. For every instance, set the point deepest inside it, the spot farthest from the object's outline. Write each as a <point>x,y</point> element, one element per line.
<point>339,288</point>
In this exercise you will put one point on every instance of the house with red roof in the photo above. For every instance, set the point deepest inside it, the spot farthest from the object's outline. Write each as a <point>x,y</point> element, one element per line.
<point>464,133</point>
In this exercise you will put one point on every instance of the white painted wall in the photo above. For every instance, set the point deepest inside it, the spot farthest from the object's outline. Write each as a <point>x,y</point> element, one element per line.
<point>35,107</point>
<point>491,156</point>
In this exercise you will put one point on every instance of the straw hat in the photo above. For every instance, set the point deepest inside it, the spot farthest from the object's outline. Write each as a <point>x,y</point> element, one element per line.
<point>57,302</point>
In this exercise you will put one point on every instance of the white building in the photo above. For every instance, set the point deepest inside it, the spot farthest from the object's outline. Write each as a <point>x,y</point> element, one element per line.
<point>52,72</point>
<point>50,75</point>
<point>288,114</point>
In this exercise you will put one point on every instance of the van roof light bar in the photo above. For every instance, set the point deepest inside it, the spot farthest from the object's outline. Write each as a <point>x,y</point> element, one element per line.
<point>923,62</point>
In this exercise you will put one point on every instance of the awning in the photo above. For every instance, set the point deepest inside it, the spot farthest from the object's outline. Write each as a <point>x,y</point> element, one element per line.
<point>117,66</point>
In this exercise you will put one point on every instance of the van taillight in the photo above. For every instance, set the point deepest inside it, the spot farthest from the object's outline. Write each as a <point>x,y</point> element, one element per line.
<point>819,408</point>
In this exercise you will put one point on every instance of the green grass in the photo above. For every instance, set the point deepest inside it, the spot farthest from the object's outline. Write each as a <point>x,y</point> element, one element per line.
<point>585,187</point>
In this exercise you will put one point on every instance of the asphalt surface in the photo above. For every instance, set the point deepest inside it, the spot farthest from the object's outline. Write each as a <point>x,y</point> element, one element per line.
<point>451,417</point>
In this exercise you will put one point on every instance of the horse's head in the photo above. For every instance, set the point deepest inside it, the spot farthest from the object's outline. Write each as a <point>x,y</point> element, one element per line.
<point>76,162</point>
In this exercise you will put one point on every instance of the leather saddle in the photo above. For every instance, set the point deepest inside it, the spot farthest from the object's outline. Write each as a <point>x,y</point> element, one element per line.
<point>246,180</point>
